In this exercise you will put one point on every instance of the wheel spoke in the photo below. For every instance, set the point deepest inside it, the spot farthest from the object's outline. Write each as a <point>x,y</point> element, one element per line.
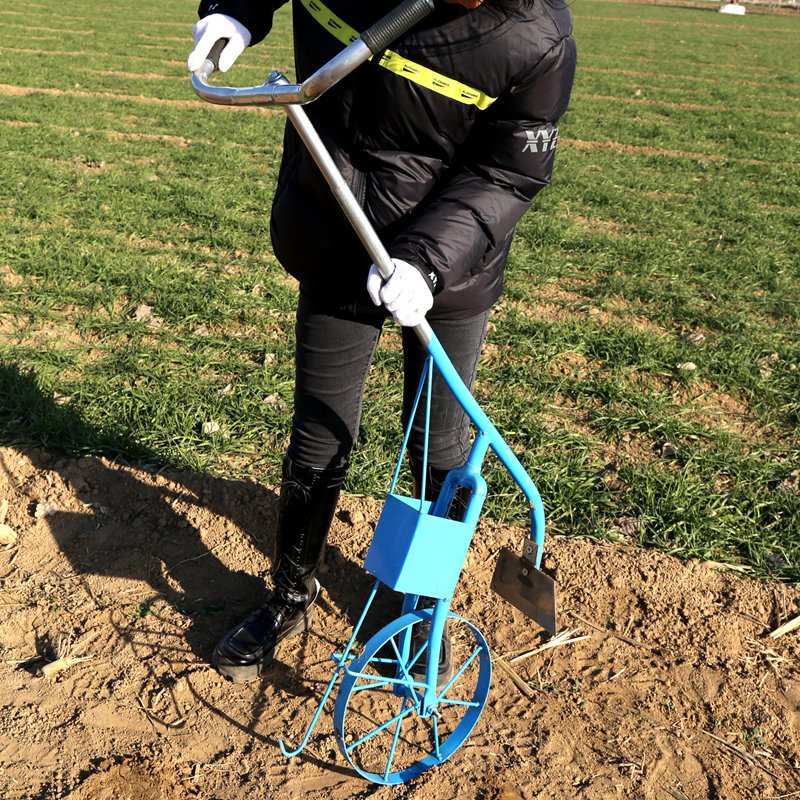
<point>394,743</point>
<point>459,672</point>
<point>452,702</point>
<point>406,668</point>
<point>436,737</point>
<point>405,712</point>
<point>374,683</point>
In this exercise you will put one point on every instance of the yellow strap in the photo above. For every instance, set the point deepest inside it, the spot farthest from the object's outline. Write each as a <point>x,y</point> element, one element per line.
<point>399,65</point>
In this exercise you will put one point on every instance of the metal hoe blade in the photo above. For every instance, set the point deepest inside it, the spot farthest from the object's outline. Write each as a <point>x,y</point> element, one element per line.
<point>517,580</point>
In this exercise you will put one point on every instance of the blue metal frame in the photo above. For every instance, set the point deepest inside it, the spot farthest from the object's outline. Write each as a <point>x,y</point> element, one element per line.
<point>418,551</point>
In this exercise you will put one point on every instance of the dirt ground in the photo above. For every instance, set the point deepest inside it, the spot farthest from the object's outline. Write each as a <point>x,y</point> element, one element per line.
<point>672,688</point>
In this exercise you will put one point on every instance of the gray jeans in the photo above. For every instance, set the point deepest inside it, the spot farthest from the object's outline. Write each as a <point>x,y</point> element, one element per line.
<point>334,350</point>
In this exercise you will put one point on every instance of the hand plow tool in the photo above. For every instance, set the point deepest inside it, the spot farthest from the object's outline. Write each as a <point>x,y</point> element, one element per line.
<point>390,723</point>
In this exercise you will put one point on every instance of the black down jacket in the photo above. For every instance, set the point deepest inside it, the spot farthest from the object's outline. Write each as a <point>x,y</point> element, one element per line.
<point>443,182</point>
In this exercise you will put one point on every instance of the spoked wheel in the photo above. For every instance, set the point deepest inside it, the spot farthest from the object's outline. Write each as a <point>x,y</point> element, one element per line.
<point>379,721</point>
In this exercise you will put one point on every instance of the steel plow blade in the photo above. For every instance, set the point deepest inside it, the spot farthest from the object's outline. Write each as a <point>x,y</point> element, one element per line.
<point>517,580</point>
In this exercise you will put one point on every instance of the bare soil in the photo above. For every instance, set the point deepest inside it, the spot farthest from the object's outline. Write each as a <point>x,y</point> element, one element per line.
<point>672,689</point>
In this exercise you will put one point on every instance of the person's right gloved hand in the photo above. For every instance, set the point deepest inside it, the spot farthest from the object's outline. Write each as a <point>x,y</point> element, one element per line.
<point>208,31</point>
<point>405,294</point>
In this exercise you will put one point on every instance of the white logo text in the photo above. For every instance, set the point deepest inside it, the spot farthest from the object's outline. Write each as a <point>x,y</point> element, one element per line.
<point>541,140</point>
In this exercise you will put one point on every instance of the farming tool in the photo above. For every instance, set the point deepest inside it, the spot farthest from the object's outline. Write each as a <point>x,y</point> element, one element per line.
<point>389,722</point>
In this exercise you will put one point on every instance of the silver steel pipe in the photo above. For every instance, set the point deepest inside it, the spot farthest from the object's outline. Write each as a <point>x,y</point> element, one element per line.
<point>349,205</point>
<point>275,92</point>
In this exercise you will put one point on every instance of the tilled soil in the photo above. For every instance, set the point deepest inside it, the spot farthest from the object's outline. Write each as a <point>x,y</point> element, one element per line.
<point>669,685</point>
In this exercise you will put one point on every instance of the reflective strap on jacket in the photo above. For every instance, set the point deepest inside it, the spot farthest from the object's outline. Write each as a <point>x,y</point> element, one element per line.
<point>394,62</point>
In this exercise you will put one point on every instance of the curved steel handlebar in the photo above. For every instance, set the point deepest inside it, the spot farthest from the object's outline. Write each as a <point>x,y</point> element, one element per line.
<point>277,91</point>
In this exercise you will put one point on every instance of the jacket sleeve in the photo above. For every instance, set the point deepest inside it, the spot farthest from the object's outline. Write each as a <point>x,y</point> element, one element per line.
<point>508,159</point>
<point>255,16</point>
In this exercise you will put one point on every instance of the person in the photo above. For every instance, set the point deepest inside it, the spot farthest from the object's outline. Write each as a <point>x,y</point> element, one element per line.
<point>445,140</point>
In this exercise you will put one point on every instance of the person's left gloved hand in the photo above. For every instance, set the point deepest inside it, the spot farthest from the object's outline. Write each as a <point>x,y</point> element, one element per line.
<point>405,294</point>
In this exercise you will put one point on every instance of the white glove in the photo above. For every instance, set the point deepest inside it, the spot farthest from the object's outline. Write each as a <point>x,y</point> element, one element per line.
<point>208,31</point>
<point>405,294</point>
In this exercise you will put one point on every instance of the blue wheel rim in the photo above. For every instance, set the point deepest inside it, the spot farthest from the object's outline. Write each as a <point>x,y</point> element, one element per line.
<point>455,738</point>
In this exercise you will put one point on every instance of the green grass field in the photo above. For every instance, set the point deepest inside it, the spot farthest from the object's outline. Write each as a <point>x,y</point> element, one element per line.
<point>139,298</point>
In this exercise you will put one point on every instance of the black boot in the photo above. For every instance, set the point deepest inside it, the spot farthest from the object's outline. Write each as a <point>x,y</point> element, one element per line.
<point>418,639</point>
<point>305,509</point>
<point>434,481</point>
